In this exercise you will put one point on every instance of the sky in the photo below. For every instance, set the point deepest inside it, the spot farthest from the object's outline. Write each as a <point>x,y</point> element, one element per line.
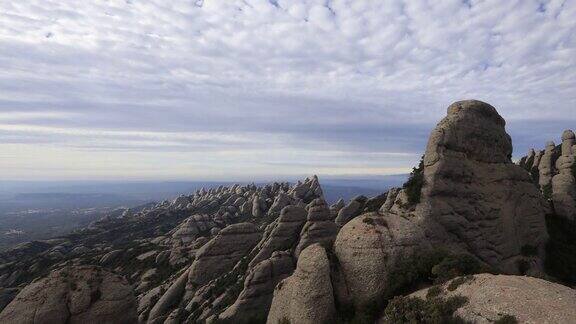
<point>252,89</point>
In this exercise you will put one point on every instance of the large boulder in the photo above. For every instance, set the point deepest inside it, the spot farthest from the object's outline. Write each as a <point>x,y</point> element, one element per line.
<point>474,198</point>
<point>220,254</point>
<point>368,249</point>
<point>81,294</point>
<point>306,297</point>
<point>490,298</point>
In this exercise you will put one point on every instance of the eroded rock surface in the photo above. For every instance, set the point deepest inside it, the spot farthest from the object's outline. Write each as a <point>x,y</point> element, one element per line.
<point>306,297</point>
<point>319,227</point>
<point>527,299</point>
<point>84,294</point>
<point>474,198</point>
<point>222,252</point>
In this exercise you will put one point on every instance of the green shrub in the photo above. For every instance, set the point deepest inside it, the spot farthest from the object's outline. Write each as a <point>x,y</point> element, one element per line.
<point>574,170</point>
<point>413,186</point>
<point>433,291</point>
<point>455,283</point>
<point>454,266</point>
<point>417,310</point>
<point>507,319</point>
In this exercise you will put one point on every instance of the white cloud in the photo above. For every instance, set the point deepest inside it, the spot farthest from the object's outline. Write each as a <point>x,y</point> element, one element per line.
<point>297,76</point>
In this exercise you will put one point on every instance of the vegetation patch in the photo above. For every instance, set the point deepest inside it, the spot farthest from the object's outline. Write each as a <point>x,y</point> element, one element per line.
<point>413,186</point>
<point>433,291</point>
<point>560,259</point>
<point>417,310</point>
<point>506,319</point>
<point>455,283</point>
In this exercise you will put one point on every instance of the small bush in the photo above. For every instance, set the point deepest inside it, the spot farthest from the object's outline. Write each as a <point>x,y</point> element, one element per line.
<point>433,291</point>
<point>454,266</point>
<point>368,221</point>
<point>417,310</point>
<point>454,284</point>
<point>413,186</point>
<point>507,319</point>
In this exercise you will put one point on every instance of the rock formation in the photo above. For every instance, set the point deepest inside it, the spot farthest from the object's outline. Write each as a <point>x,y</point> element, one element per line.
<point>319,227</point>
<point>368,249</point>
<point>564,183</point>
<point>474,198</point>
<point>255,299</point>
<point>283,235</point>
<point>489,298</point>
<point>83,294</point>
<point>555,172</point>
<point>353,209</point>
<point>306,297</point>
<point>222,252</point>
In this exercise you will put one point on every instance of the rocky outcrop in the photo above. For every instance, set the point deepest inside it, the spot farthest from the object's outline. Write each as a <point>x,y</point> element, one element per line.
<point>223,252</point>
<point>283,235</point>
<point>169,299</point>
<point>306,297</point>
<point>191,228</point>
<point>308,190</point>
<point>489,298</point>
<point>319,227</point>
<point>546,165</point>
<point>353,209</point>
<point>564,183</point>
<point>336,207</point>
<point>368,249</point>
<point>255,299</point>
<point>83,294</point>
<point>474,198</point>
<point>390,199</point>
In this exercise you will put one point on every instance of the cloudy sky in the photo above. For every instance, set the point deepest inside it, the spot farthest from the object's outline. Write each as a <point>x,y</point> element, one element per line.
<point>226,89</point>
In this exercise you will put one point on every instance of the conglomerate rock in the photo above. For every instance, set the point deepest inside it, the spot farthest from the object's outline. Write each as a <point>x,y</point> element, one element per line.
<point>306,297</point>
<point>85,294</point>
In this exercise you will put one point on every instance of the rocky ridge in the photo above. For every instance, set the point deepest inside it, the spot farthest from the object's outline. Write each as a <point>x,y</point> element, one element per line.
<point>279,253</point>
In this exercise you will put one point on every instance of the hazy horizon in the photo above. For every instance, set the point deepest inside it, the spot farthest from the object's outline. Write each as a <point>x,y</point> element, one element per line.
<point>268,89</point>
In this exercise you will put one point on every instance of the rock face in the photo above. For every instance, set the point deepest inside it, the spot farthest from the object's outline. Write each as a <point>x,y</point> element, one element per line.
<point>255,300</point>
<point>368,249</point>
<point>222,252</point>
<point>474,198</point>
<point>554,171</point>
<point>283,235</point>
<point>306,297</point>
<point>564,183</point>
<point>84,294</point>
<point>319,227</point>
<point>353,209</point>
<point>546,165</point>
<point>529,300</point>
